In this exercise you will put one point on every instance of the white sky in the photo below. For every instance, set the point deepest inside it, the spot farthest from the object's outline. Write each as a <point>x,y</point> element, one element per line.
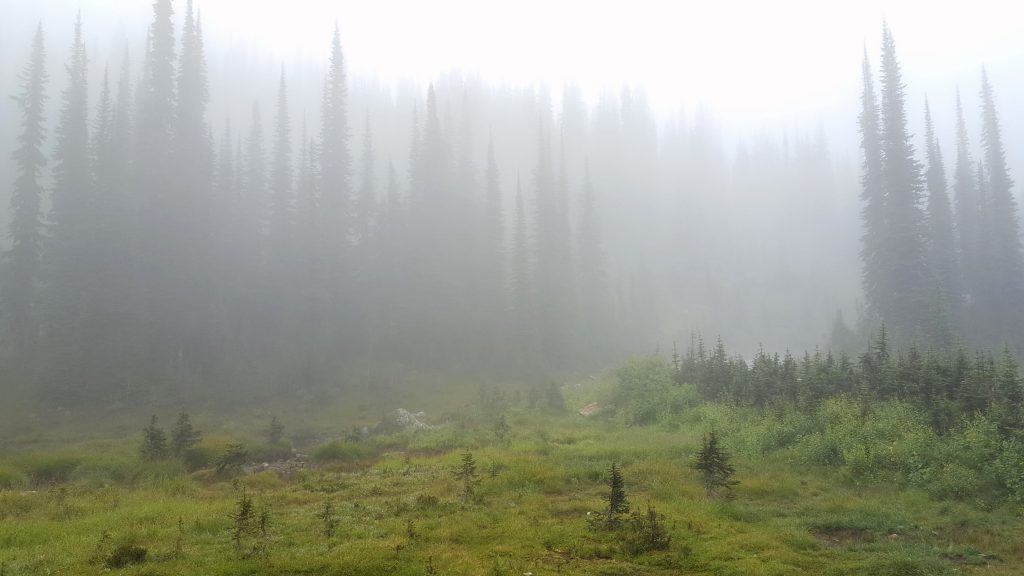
<point>754,63</point>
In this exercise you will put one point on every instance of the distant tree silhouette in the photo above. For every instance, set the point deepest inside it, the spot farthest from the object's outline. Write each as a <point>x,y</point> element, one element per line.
<point>20,263</point>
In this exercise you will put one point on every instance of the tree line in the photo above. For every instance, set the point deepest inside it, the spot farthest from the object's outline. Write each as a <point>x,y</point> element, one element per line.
<point>935,271</point>
<point>152,261</point>
<point>948,386</point>
<point>153,250</point>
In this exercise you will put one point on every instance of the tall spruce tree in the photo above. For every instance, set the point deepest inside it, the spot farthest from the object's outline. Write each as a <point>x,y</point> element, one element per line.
<point>1007,258</point>
<point>282,204</point>
<point>941,244</point>
<point>552,256</point>
<point>154,175</point>
<point>366,195</point>
<point>335,161</point>
<point>334,210</point>
<point>873,216</point>
<point>19,268</point>
<point>969,227</point>
<point>522,283</point>
<point>68,257</point>
<point>905,296</point>
<point>280,264</point>
<point>593,290</point>
<point>189,207</point>
<point>109,330</point>
<point>491,245</point>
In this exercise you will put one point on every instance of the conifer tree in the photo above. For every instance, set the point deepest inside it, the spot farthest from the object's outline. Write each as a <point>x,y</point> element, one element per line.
<point>154,441</point>
<point>335,161</point>
<point>553,254</point>
<point>491,250</point>
<point>1010,392</point>
<point>466,474</point>
<point>306,219</point>
<point>334,193</point>
<point>71,220</point>
<point>102,135</point>
<point>109,331</point>
<point>522,279</point>
<point>492,225</point>
<point>275,432</point>
<point>873,196</point>
<point>713,464</point>
<point>280,266</point>
<point>153,184</point>
<point>362,212</point>
<point>906,294</point>
<point>969,225</point>
<point>190,206</point>
<point>941,243</point>
<point>184,436</point>
<point>593,289</point>
<point>1007,264</point>
<point>618,504</point>
<point>254,182</point>
<point>282,205</point>
<point>19,268</point>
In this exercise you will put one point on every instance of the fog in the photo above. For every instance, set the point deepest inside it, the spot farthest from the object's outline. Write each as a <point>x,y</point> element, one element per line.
<point>504,192</point>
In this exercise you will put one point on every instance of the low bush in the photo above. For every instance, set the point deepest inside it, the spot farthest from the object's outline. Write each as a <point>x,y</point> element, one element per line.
<point>43,469</point>
<point>645,392</point>
<point>646,532</point>
<point>342,451</point>
<point>126,555</point>
<point>281,450</point>
<point>104,470</point>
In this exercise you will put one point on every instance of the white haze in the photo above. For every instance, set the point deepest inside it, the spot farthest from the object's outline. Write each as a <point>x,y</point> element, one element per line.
<point>754,64</point>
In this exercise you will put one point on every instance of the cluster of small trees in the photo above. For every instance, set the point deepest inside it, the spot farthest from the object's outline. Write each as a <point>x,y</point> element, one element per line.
<point>947,384</point>
<point>184,437</point>
<point>154,439</point>
<point>936,272</point>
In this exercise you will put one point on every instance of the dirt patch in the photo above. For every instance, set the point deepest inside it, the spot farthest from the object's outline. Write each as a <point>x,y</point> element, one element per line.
<point>840,536</point>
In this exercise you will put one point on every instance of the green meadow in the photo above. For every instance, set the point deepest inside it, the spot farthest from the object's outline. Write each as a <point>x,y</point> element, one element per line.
<point>77,498</point>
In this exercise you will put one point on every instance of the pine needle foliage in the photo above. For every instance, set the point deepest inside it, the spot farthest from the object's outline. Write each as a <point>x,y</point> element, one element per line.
<point>713,463</point>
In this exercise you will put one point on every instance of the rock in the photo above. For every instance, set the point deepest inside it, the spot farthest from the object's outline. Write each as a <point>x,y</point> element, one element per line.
<point>407,420</point>
<point>590,409</point>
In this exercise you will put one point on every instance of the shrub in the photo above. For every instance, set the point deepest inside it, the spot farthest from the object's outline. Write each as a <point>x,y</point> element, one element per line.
<point>426,501</point>
<point>49,468</point>
<point>15,505</point>
<point>329,520</point>
<point>233,458</point>
<point>243,519</point>
<point>643,391</point>
<point>646,532</point>
<point>342,451</point>
<point>106,470</point>
<point>126,555</point>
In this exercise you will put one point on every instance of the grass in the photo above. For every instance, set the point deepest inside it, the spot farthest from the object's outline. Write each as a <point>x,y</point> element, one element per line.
<point>89,506</point>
